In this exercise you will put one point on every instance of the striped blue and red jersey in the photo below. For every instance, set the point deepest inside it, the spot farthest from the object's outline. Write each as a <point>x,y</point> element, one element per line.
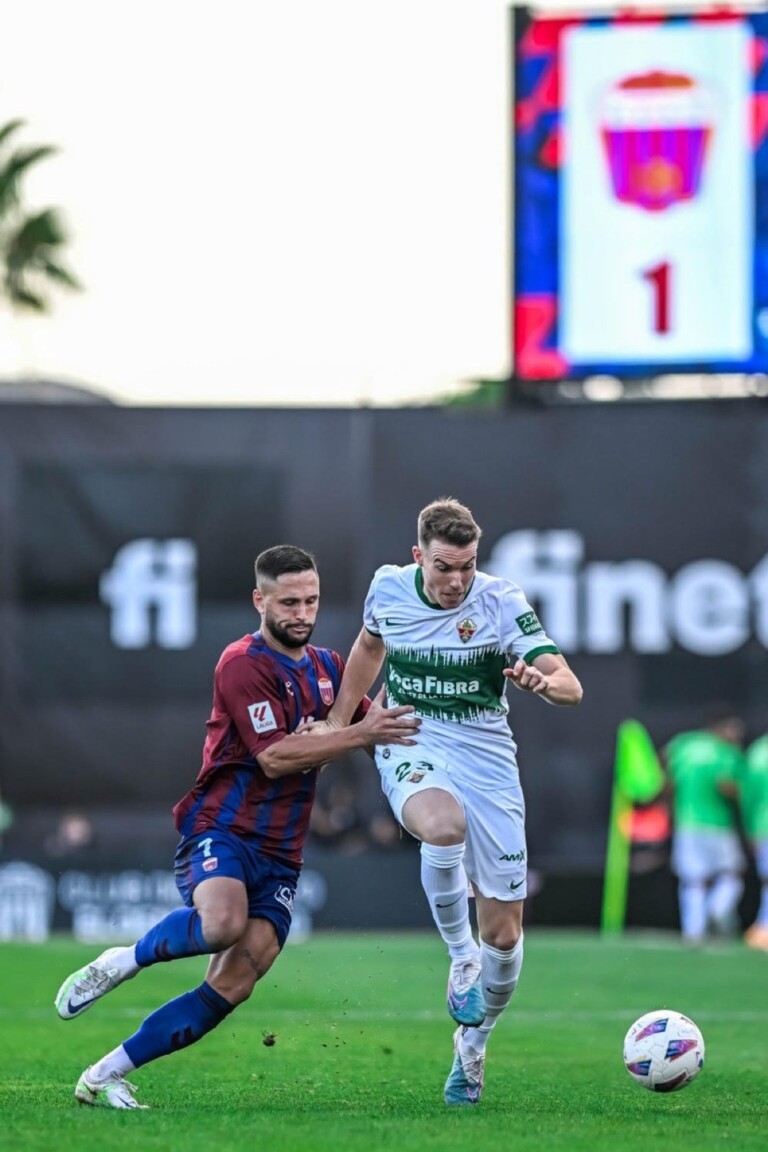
<point>259,697</point>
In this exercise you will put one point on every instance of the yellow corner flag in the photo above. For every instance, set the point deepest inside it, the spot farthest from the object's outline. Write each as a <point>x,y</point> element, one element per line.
<point>637,778</point>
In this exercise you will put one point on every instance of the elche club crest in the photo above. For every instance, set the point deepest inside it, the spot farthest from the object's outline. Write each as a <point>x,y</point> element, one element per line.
<point>466,629</point>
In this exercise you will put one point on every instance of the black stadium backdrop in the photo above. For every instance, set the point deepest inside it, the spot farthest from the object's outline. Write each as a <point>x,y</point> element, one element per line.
<point>128,537</point>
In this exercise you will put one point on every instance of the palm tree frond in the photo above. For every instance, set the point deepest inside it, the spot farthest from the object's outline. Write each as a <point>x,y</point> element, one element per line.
<point>18,162</point>
<point>14,168</point>
<point>9,128</point>
<point>41,231</point>
<point>22,297</point>
<point>60,274</point>
<point>30,244</point>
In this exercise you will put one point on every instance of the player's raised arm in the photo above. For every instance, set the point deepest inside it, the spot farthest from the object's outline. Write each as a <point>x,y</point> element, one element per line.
<point>363,666</point>
<point>381,725</point>
<point>548,676</point>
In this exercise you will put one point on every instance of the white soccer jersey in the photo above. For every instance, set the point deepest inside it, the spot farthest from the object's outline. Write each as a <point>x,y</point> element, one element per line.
<point>447,662</point>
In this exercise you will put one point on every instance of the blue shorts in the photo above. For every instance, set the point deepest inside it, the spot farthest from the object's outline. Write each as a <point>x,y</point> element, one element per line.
<point>270,885</point>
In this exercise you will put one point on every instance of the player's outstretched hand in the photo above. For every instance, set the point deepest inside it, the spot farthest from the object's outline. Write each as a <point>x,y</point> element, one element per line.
<point>307,727</point>
<point>527,678</point>
<point>390,725</point>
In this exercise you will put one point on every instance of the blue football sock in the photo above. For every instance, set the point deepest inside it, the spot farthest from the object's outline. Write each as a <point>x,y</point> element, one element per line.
<point>177,1024</point>
<point>179,934</point>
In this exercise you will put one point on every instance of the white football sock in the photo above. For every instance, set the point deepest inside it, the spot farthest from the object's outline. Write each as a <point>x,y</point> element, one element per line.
<point>114,1066</point>
<point>500,972</point>
<point>445,885</point>
<point>692,898</point>
<point>125,960</point>
<point>723,898</point>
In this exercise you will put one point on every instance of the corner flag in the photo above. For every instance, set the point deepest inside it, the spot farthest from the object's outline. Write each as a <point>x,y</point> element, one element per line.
<point>637,779</point>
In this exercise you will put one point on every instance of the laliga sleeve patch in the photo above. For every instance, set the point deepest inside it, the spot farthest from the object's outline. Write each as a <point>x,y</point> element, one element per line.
<point>262,716</point>
<point>528,623</point>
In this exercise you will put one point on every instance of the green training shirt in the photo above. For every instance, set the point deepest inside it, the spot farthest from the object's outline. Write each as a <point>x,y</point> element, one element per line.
<point>696,763</point>
<point>754,790</point>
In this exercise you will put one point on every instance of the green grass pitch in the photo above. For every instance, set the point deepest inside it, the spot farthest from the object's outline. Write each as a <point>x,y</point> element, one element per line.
<point>363,1046</point>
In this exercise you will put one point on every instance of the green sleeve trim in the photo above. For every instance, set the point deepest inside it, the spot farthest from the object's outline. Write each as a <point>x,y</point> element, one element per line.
<point>531,656</point>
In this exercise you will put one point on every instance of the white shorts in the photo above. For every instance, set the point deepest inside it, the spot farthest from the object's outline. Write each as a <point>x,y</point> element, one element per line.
<point>496,856</point>
<point>703,853</point>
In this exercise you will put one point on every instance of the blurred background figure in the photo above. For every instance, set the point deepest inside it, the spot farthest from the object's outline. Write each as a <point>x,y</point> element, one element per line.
<point>6,818</point>
<point>754,817</point>
<point>72,835</point>
<point>703,769</point>
<point>350,813</point>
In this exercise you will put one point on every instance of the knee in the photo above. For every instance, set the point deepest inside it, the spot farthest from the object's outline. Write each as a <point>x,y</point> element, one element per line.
<point>443,829</point>
<point>222,927</point>
<point>435,817</point>
<point>503,937</point>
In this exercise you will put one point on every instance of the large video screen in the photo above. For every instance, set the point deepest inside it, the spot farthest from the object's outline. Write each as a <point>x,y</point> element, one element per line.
<point>640,195</point>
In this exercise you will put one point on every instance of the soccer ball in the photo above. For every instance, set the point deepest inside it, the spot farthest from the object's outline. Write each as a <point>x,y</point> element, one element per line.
<point>663,1051</point>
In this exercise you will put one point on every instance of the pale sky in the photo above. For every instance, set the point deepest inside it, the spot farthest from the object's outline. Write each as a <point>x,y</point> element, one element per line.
<point>271,201</point>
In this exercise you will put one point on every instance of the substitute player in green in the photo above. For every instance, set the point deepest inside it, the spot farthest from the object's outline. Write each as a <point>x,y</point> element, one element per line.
<point>753,799</point>
<point>453,638</point>
<point>703,770</point>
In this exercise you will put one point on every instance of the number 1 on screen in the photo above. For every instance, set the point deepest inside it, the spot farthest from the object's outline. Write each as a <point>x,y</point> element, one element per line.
<point>660,279</point>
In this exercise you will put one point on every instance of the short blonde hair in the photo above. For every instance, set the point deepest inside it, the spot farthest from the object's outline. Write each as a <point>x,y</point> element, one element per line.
<point>448,521</point>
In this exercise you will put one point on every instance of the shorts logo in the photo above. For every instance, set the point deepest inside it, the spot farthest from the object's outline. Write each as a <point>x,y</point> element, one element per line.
<point>262,717</point>
<point>466,630</point>
<point>518,857</point>
<point>528,623</point>
<point>326,690</point>
<point>420,768</point>
<point>284,895</point>
<point>210,864</point>
<point>386,754</point>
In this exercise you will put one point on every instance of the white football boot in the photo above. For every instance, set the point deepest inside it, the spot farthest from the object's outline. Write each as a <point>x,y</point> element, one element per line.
<point>84,987</point>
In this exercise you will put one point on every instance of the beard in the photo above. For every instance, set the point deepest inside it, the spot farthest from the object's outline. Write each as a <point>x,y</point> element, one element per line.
<point>287,636</point>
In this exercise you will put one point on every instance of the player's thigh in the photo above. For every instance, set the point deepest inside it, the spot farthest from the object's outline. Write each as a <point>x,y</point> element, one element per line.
<point>222,902</point>
<point>422,795</point>
<point>689,858</point>
<point>234,973</point>
<point>496,856</point>
<point>212,876</point>
<point>728,852</point>
<point>700,854</point>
